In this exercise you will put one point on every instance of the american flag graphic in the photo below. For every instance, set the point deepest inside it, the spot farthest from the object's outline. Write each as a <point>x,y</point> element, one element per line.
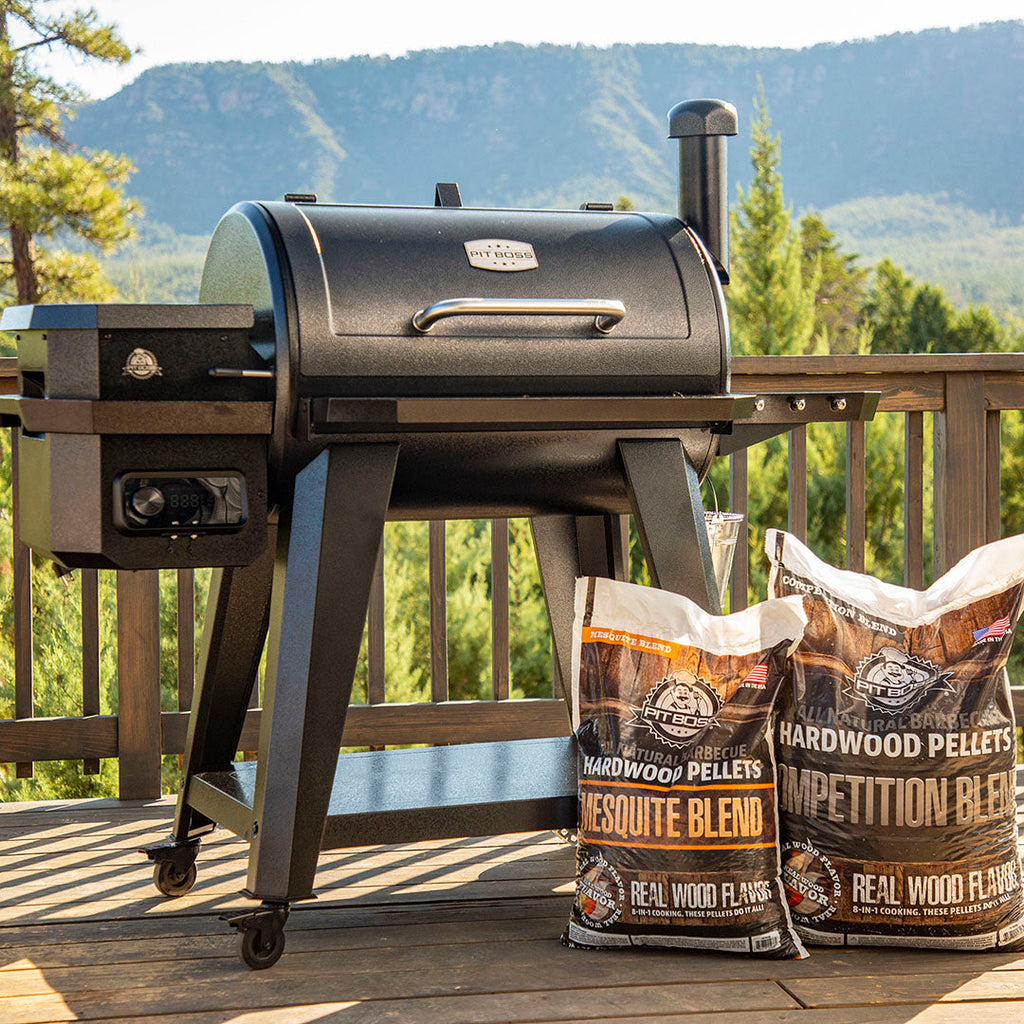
<point>757,676</point>
<point>993,631</point>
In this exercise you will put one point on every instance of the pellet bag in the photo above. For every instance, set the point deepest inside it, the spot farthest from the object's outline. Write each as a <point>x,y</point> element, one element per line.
<point>897,754</point>
<point>678,831</point>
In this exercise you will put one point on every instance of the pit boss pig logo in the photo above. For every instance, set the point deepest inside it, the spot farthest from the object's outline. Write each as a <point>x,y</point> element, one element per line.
<point>679,709</point>
<point>141,364</point>
<point>893,681</point>
<point>500,254</point>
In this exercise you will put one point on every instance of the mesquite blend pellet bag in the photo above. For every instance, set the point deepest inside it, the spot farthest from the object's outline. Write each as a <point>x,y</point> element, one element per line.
<point>678,825</point>
<point>897,754</point>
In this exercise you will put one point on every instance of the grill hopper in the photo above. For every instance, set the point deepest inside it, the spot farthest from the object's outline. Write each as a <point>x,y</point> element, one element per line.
<point>335,290</point>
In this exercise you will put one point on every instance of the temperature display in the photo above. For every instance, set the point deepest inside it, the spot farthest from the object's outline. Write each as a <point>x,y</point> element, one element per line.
<point>186,502</point>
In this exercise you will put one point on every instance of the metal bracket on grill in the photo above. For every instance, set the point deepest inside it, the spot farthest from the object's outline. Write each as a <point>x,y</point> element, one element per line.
<point>772,415</point>
<point>606,312</point>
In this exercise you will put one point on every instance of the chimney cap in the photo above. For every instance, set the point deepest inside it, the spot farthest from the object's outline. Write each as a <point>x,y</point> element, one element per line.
<point>701,117</point>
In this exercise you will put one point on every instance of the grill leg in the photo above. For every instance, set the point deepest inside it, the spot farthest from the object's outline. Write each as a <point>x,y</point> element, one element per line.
<point>317,620</point>
<point>665,494</point>
<point>571,546</point>
<point>236,627</point>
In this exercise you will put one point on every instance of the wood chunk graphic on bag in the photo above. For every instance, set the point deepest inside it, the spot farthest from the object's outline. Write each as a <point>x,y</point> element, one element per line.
<point>678,834</point>
<point>896,749</point>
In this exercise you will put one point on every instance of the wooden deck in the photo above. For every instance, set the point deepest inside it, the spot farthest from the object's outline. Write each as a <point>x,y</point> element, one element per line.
<point>433,933</point>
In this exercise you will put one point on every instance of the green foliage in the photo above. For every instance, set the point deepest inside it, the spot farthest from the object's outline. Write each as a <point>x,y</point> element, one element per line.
<point>47,189</point>
<point>901,315</point>
<point>771,299</point>
<point>977,258</point>
<point>840,291</point>
<point>887,309</point>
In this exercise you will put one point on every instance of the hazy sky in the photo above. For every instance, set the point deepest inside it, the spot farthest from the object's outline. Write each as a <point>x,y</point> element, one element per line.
<point>167,31</point>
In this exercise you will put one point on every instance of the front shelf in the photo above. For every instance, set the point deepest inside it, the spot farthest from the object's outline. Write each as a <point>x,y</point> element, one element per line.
<point>400,796</point>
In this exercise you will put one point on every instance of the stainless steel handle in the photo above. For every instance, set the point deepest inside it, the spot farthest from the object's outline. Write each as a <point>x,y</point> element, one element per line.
<point>606,312</point>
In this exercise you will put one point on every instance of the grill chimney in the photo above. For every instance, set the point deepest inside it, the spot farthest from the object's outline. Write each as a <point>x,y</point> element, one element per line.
<point>700,127</point>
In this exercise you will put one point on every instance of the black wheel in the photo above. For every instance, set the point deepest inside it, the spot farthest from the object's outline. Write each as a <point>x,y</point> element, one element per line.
<point>260,949</point>
<point>170,880</point>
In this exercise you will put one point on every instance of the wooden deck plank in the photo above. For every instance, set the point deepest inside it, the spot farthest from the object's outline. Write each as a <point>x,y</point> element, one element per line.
<point>342,1013</point>
<point>195,902</point>
<point>491,994</point>
<point>309,916</point>
<point>132,880</point>
<point>404,946</point>
<point>125,852</point>
<point>511,965</point>
<point>897,987</point>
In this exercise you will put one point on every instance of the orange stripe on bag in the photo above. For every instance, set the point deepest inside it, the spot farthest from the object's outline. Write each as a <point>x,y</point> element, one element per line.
<point>632,844</point>
<point>634,641</point>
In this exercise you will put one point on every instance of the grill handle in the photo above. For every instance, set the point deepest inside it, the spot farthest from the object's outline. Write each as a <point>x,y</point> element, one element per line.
<point>606,312</point>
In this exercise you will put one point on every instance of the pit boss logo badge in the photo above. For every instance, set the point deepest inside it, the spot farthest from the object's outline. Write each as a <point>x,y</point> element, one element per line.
<point>141,365</point>
<point>679,709</point>
<point>500,254</point>
<point>894,681</point>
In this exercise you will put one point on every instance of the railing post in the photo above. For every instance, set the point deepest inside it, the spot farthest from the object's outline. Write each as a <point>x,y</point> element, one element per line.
<point>959,466</point>
<point>375,667</point>
<point>913,500</point>
<point>24,700</point>
<point>856,522</point>
<point>797,457</point>
<point>438,585</point>
<point>500,665</point>
<point>993,466</point>
<point>90,589</point>
<point>138,684</point>
<point>738,503</point>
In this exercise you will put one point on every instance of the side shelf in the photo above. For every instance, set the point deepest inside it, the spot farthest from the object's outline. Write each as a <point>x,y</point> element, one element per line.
<point>398,796</point>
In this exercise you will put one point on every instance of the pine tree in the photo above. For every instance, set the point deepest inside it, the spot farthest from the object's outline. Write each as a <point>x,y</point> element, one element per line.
<point>48,191</point>
<point>771,303</point>
<point>886,311</point>
<point>841,287</point>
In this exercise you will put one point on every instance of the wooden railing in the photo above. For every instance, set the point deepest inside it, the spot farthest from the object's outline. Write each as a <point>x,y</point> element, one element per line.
<point>964,396</point>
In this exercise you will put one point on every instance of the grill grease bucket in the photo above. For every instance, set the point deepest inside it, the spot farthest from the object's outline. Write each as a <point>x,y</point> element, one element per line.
<point>723,532</point>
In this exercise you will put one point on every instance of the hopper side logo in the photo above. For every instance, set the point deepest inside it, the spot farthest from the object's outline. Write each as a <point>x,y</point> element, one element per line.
<point>141,364</point>
<point>500,254</point>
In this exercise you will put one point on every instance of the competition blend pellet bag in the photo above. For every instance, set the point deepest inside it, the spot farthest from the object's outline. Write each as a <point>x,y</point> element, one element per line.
<point>678,825</point>
<point>897,754</point>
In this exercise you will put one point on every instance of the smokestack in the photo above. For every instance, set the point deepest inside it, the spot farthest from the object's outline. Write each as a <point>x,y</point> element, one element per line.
<point>700,127</point>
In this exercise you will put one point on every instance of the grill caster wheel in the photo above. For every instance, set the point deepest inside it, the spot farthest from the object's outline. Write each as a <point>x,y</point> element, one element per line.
<point>174,865</point>
<point>260,934</point>
<point>259,950</point>
<point>171,880</point>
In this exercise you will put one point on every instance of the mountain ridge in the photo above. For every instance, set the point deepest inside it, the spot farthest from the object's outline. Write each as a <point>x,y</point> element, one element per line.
<point>930,112</point>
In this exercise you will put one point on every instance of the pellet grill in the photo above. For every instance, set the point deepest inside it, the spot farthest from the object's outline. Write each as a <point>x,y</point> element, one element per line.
<point>350,364</point>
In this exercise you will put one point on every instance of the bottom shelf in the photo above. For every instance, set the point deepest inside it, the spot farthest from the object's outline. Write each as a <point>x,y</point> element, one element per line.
<point>400,796</point>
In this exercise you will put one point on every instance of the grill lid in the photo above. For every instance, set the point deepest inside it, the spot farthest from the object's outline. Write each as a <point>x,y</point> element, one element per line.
<point>376,300</point>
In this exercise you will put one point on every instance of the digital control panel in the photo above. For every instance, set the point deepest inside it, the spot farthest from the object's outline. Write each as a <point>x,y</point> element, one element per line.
<point>187,503</point>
